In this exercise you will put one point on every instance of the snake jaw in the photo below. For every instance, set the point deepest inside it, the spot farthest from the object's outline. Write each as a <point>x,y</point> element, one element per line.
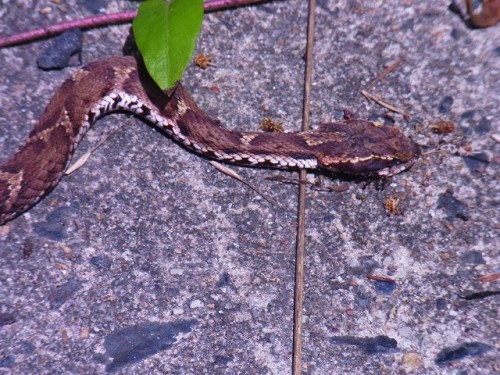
<point>404,156</point>
<point>383,159</point>
<point>395,169</point>
<point>375,167</point>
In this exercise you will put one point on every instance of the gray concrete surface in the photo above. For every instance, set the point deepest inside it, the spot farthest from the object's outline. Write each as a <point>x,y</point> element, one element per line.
<point>147,240</point>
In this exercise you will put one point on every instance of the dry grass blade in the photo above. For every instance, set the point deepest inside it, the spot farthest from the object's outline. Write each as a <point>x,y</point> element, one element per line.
<point>490,278</point>
<point>83,159</point>
<point>382,75</point>
<point>377,99</point>
<point>79,163</point>
<point>299,252</point>
<point>229,172</point>
<point>312,185</point>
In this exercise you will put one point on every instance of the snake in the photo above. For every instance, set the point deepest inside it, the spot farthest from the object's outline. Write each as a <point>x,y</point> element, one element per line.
<point>120,83</point>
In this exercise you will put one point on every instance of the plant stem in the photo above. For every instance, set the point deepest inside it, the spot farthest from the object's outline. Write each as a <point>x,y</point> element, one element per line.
<point>106,19</point>
<point>213,5</point>
<point>300,242</point>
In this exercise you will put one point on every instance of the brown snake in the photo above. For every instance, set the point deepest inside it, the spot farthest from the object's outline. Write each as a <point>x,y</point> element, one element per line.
<point>350,146</point>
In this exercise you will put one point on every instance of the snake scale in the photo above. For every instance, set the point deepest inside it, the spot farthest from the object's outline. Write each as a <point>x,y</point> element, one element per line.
<point>350,146</point>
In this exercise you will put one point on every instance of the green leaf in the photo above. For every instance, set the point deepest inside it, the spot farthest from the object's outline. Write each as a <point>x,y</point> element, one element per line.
<point>165,33</point>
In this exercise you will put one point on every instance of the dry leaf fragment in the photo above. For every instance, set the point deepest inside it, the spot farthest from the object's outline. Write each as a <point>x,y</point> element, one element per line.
<point>236,176</point>
<point>203,61</point>
<point>443,127</point>
<point>271,125</point>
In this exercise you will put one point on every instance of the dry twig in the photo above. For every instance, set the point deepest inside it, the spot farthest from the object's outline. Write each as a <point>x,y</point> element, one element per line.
<point>299,258</point>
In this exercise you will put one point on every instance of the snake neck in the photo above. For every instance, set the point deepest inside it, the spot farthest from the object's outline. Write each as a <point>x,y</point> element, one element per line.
<point>189,125</point>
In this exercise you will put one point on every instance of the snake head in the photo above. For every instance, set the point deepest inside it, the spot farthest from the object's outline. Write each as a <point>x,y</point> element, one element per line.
<point>359,147</point>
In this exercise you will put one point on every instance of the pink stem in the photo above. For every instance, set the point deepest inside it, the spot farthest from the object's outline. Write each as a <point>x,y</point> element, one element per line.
<point>212,5</point>
<point>106,19</point>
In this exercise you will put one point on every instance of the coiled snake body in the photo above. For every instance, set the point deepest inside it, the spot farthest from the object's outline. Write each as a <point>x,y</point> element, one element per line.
<point>350,146</point>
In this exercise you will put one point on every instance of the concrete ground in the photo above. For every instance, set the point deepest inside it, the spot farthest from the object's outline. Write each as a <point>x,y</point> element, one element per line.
<point>147,260</point>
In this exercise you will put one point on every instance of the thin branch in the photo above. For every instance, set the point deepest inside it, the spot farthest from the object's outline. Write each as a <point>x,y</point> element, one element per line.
<point>377,99</point>
<point>299,253</point>
<point>490,278</point>
<point>214,5</point>
<point>83,159</point>
<point>84,23</point>
<point>104,20</point>
<point>231,173</point>
<point>382,75</point>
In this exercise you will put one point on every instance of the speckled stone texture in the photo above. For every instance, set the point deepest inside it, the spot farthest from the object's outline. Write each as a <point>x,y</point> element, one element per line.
<point>147,237</point>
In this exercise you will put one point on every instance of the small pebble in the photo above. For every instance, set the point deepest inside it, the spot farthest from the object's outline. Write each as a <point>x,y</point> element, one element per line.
<point>384,287</point>
<point>133,344</point>
<point>176,271</point>
<point>446,104</point>
<point>473,257</point>
<point>60,294</point>
<point>477,162</point>
<point>195,304</point>
<point>483,127</point>
<point>6,319</point>
<point>95,6</point>
<point>455,353</point>
<point>455,34</point>
<point>101,261</point>
<point>58,54</point>
<point>453,207</point>
<point>441,303</point>
<point>411,362</point>
<point>7,361</point>
<point>178,311</point>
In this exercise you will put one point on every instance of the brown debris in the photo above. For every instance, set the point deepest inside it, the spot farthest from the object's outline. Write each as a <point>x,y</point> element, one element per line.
<point>271,125</point>
<point>203,61</point>
<point>382,75</point>
<point>489,15</point>
<point>443,127</point>
<point>391,206</point>
<point>489,278</point>
<point>377,99</point>
<point>380,278</point>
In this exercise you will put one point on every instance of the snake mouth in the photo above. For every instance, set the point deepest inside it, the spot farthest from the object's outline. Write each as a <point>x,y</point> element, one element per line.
<point>404,160</point>
<point>373,167</point>
<point>395,169</point>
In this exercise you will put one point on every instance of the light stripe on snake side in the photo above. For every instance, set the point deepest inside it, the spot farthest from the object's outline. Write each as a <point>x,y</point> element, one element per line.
<point>350,146</point>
